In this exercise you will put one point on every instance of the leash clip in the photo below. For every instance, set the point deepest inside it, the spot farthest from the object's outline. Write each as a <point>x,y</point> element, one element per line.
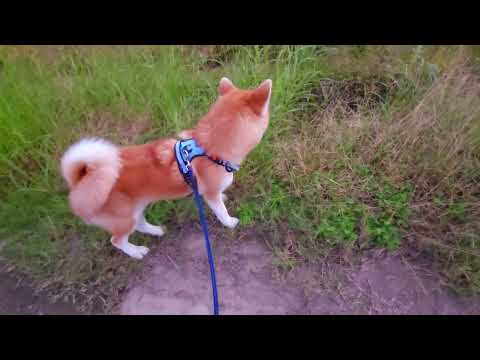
<point>187,162</point>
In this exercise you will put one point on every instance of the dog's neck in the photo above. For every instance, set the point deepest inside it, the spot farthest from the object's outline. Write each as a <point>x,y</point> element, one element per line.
<point>221,141</point>
<point>228,152</point>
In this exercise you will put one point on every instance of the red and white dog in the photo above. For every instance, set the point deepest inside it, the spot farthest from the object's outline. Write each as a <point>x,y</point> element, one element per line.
<point>110,186</point>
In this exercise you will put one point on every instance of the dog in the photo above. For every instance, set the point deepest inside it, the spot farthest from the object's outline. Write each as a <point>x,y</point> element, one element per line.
<point>110,186</point>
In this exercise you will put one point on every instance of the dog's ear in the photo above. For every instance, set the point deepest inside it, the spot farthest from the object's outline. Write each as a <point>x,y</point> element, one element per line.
<point>225,86</point>
<point>260,97</point>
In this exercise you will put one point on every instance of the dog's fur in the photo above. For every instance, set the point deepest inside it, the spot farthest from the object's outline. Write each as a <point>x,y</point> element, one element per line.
<point>110,186</point>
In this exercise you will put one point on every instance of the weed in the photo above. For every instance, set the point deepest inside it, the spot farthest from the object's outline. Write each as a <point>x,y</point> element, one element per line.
<point>395,203</point>
<point>246,213</point>
<point>457,211</point>
<point>383,232</point>
<point>339,223</point>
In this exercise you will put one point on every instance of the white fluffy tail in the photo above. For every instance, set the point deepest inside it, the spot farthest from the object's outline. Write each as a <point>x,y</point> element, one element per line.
<point>91,168</point>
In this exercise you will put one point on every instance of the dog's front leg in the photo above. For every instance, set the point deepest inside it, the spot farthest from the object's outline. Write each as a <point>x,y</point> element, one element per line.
<point>218,207</point>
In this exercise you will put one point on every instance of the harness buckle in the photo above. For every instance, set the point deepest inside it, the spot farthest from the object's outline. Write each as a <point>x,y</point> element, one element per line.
<point>187,162</point>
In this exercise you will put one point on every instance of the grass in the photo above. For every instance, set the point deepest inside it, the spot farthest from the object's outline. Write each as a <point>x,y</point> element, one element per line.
<point>369,146</point>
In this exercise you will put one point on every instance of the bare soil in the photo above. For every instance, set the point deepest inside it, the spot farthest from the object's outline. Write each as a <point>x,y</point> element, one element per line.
<point>18,297</point>
<point>176,280</point>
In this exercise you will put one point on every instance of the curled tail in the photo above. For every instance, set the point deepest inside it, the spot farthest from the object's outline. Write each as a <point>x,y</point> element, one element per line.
<point>91,168</point>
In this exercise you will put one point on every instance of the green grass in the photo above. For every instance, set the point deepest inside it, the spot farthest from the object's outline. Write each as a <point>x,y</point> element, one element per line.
<point>341,166</point>
<point>338,223</point>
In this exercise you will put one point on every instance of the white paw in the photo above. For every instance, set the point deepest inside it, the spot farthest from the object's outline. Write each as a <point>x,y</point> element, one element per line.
<point>231,222</point>
<point>137,252</point>
<point>224,197</point>
<point>156,230</point>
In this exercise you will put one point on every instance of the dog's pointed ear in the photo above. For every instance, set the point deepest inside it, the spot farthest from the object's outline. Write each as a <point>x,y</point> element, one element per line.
<point>260,98</point>
<point>225,86</point>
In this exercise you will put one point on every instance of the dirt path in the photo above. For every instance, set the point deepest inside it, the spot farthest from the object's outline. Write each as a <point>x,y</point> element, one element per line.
<point>18,297</point>
<point>176,281</point>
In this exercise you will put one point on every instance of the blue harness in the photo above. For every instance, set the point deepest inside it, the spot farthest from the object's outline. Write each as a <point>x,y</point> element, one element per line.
<point>185,152</point>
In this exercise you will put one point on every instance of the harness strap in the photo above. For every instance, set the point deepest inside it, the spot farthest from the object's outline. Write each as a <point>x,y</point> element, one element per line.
<point>187,150</point>
<point>226,164</point>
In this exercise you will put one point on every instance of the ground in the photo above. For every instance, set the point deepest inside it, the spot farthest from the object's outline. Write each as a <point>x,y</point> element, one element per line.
<point>175,279</point>
<point>18,297</point>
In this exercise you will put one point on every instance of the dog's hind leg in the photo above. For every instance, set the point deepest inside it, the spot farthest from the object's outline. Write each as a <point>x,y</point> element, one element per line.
<point>145,227</point>
<point>120,240</point>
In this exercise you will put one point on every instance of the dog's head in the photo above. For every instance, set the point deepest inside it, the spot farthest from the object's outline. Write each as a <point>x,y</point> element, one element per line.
<point>236,122</point>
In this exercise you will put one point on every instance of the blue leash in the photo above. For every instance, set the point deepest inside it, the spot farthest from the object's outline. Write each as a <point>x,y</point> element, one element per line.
<point>203,222</point>
<point>185,151</point>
